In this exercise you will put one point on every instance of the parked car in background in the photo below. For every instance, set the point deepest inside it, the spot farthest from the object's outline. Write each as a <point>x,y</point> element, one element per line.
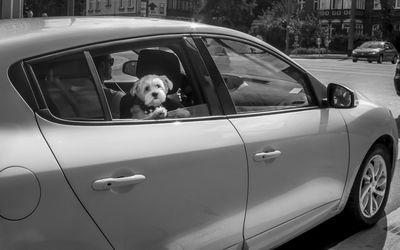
<point>378,51</point>
<point>266,153</point>
<point>397,79</point>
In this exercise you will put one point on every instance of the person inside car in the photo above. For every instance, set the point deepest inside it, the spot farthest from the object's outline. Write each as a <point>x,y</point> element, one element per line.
<point>104,65</point>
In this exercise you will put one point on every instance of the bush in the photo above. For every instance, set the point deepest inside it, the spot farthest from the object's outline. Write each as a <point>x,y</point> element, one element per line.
<point>307,51</point>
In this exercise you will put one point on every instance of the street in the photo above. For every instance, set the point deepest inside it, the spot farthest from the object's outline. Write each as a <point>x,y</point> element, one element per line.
<point>376,82</point>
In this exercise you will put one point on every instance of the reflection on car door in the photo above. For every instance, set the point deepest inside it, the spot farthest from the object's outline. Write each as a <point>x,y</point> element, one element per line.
<point>305,165</point>
<point>194,192</point>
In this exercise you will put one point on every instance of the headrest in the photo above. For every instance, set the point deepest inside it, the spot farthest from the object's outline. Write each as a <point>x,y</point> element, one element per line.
<point>159,62</point>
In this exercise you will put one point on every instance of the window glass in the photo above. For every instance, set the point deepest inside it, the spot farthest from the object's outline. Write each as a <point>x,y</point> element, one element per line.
<point>256,79</point>
<point>68,88</point>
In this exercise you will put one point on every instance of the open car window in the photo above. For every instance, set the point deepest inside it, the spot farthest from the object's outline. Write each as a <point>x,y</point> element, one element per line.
<point>258,80</point>
<point>107,83</point>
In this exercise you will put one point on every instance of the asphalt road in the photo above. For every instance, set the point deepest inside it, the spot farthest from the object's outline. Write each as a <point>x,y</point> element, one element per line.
<point>376,82</point>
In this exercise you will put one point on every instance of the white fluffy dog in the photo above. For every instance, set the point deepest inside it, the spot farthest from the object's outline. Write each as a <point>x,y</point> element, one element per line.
<point>151,92</point>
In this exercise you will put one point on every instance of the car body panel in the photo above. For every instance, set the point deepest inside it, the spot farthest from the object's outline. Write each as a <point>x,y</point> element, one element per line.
<point>396,79</point>
<point>289,230</point>
<point>194,195</point>
<point>363,134</point>
<point>310,172</point>
<point>49,225</point>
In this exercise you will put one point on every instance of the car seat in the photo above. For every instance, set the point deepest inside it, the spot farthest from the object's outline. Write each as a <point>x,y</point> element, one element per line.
<point>159,62</point>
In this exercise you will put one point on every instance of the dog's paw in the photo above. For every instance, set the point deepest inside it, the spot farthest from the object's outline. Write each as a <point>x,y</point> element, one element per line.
<point>159,113</point>
<point>179,113</point>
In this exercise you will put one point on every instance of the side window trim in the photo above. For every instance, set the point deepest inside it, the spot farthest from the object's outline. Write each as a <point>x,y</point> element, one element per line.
<point>222,91</point>
<point>98,85</point>
<point>208,89</point>
<point>315,102</point>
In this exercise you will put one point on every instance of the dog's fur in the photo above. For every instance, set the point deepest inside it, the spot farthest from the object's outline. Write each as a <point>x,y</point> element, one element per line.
<point>150,92</point>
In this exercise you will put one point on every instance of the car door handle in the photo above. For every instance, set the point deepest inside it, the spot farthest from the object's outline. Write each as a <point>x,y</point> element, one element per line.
<point>108,183</point>
<point>262,156</point>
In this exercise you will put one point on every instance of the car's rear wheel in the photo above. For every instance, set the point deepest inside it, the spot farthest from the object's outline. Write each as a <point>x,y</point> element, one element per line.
<point>370,190</point>
<point>369,61</point>
<point>380,59</point>
<point>394,59</point>
<point>354,59</point>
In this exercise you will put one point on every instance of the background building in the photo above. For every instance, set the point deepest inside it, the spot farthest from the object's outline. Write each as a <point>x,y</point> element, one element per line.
<point>335,15</point>
<point>11,8</point>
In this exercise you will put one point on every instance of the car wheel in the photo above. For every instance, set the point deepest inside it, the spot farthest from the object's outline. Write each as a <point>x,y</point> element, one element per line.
<point>380,58</point>
<point>370,190</point>
<point>369,61</point>
<point>354,60</point>
<point>394,59</point>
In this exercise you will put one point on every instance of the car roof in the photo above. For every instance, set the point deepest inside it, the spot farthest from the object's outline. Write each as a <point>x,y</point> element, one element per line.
<point>28,37</point>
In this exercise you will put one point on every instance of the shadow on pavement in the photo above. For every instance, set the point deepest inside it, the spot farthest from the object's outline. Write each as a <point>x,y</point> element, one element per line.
<point>338,234</point>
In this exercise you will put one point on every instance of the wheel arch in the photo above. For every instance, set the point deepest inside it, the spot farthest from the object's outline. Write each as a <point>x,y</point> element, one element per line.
<point>384,140</point>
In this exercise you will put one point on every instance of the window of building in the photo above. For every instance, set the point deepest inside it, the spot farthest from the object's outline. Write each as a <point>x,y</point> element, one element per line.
<point>346,4</point>
<point>90,7</point>
<point>397,4</point>
<point>324,5</point>
<point>376,29</point>
<point>377,5</point>
<point>346,27</point>
<point>337,4</point>
<point>121,5</point>
<point>361,4</point>
<point>302,3</point>
<point>359,28</point>
<point>315,6</point>
<point>98,5</point>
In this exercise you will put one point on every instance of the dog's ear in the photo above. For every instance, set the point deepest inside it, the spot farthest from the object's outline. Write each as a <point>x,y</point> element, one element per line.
<point>167,83</point>
<point>135,89</point>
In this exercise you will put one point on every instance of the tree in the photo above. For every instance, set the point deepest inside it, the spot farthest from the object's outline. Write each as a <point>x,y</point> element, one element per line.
<point>289,11</point>
<point>262,6</point>
<point>236,14</point>
<point>387,27</point>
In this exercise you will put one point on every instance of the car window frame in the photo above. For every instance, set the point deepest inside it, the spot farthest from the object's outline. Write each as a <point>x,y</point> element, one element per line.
<point>44,111</point>
<point>222,90</point>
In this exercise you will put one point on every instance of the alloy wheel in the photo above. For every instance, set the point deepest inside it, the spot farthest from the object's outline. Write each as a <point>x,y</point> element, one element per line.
<point>373,186</point>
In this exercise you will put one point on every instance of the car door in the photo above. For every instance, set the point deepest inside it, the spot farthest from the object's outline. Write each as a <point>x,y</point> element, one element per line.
<point>165,184</point>
<point>297,151</point>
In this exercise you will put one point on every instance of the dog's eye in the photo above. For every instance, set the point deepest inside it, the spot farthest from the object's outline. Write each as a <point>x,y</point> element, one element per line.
<point>146,89</point>
<point>158,86</point>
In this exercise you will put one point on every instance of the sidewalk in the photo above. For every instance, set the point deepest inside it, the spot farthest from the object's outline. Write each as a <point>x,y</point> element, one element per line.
<point>321,56</point>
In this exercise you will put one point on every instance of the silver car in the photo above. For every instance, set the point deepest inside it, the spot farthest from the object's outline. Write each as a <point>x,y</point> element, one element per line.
<point>266,153</point>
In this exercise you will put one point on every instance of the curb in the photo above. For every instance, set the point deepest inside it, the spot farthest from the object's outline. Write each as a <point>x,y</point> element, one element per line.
<point>321,56</point>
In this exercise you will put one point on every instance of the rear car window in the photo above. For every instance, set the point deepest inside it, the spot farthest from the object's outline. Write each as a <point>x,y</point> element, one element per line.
<point>68,88</point>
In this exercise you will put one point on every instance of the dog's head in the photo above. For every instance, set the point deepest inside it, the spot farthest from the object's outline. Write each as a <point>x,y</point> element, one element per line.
<point>152,89</point>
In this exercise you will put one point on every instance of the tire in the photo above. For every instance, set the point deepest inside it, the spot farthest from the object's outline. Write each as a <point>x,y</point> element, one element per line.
<point>394,59</point>
<point>354,60</point>
<point>369,61</point>
<point>370,189</point>
<point>380,59</point>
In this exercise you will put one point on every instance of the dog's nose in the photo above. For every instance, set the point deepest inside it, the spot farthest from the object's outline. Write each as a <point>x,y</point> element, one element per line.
<point>155,94</point>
